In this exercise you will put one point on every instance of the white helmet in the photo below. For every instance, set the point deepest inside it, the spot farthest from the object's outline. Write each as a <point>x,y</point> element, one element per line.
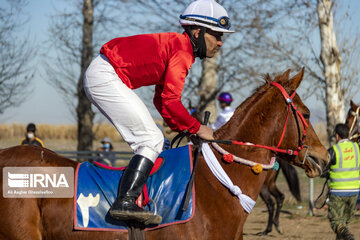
<point>206,13</point>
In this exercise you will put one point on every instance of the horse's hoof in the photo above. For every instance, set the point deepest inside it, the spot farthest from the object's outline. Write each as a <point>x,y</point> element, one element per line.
<point>264,233</point>
<point>279,229</point>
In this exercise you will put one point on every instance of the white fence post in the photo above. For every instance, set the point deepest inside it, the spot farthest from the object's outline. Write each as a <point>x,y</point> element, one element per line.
<point>311,197</point>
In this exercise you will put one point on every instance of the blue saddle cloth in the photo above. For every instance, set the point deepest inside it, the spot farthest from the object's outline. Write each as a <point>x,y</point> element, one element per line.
<point>96,190</point>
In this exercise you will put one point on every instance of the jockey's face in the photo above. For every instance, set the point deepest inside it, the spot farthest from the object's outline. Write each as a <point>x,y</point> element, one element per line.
<point>213,42</point>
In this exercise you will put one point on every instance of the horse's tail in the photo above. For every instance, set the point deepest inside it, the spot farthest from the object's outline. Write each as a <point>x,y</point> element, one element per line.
<point>292,179</point>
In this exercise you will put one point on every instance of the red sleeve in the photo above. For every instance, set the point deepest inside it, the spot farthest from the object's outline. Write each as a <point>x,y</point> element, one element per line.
<point>167,99</point>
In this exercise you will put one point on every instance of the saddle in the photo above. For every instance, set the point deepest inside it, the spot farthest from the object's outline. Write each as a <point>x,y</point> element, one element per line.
<point>96,187</point>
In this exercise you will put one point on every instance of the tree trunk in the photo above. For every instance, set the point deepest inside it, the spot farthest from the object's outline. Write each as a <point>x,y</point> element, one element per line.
<point>207,87</point>
<point>85,115</point>
<point>331,60</point>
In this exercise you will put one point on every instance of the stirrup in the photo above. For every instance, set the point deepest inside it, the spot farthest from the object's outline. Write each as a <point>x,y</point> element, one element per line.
<point>155,218</point>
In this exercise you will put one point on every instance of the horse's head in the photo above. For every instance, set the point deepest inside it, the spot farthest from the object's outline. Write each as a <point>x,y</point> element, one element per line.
<point>275,116</point>
<point>298,131</point>
<point>353,121</point>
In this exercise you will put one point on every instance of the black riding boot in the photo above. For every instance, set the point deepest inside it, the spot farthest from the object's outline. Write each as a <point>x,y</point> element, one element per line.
<point>131,185</point>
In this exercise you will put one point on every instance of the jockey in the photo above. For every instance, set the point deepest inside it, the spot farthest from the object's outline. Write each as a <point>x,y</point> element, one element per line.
<point>163,60</point>
<point>225,100</point>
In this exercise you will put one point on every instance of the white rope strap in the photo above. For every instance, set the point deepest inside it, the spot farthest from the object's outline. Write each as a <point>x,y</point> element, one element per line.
<point>246,202</point>
<point>245,161</point>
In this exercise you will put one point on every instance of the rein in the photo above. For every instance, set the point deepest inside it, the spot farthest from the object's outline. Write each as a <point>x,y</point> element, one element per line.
<point>322,194</point>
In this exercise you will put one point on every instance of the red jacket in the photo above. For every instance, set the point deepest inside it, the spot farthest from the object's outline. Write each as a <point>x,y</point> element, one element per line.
<point>161,59</point>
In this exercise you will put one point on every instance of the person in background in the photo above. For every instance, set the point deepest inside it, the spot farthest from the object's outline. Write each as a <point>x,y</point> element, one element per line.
<point>105,152</point>
<point>30,136</point>
<point>163,60</point>
<point>344,182</point>
<point>225,100</point>
<point>106,145</point>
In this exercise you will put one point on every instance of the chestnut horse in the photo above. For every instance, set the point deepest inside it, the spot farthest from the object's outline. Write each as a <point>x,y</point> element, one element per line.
<point>353,122</point>
<point>263,118</point>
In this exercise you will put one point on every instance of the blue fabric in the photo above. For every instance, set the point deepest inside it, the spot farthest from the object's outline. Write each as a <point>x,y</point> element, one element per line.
<point>166,188</point>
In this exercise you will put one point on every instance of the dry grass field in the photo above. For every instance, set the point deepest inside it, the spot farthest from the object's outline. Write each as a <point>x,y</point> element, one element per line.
<point>64,137</point>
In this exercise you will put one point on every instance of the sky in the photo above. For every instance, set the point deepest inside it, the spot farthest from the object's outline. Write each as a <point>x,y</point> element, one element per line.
<point>45,104</point>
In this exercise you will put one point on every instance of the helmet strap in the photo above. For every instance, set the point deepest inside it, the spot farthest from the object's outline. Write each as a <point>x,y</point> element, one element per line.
<point>198,44</point>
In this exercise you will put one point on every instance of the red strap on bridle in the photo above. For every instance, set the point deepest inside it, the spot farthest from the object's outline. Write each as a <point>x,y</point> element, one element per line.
<point>289,101</point>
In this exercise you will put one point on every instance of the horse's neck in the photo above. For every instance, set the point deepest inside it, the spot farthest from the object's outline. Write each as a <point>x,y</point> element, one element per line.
<point>241,175</point>
<point>249,125</point>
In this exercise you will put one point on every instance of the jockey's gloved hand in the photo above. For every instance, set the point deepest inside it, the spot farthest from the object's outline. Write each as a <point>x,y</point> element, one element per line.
<point>205,132</point>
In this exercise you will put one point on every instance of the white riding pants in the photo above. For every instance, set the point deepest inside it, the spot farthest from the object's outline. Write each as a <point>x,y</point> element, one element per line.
<point>123,108</point>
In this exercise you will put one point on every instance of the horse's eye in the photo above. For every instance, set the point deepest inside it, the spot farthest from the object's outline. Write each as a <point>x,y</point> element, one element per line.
<point>306,116</point>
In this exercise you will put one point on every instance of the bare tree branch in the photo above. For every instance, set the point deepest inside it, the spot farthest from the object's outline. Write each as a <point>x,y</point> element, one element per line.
<point>16,73</point>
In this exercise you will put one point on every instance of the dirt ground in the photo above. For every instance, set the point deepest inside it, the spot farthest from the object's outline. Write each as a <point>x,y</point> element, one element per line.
<point>297,225</point>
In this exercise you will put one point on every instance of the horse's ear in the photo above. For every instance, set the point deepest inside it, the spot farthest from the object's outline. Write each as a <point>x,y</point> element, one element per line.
<point>282,78</point>
<point>286,74</point>
<point>295,81</point>
<point>353,106</point>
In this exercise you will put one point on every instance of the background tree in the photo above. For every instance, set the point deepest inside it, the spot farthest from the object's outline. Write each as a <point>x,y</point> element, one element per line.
<point>77,34</point>
<point>331,60</point>
<point>16,53</point>
<point>306,37</point>
<point>84,112</point>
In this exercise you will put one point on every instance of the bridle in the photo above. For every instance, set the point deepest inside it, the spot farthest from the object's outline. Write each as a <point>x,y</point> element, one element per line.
<point>291,106</point>
<point>298,115</point>
<point>354,130</point>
